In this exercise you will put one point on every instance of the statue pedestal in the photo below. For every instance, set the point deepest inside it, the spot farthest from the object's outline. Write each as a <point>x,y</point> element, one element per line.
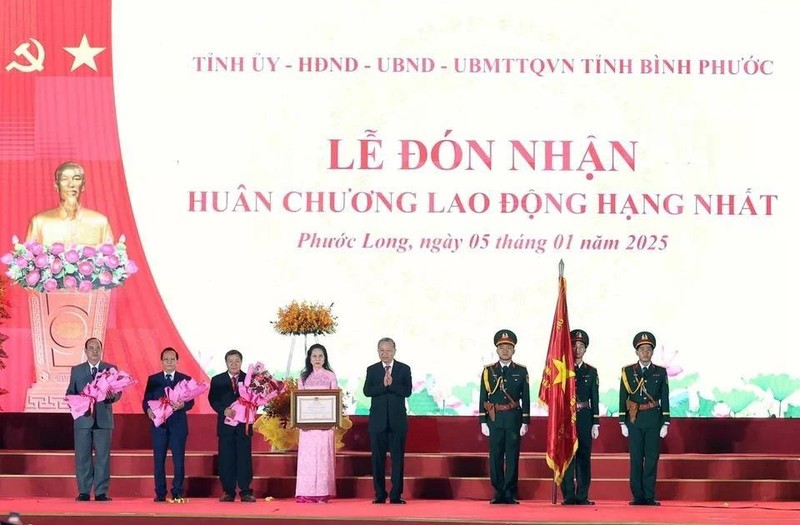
<point>61,322</point>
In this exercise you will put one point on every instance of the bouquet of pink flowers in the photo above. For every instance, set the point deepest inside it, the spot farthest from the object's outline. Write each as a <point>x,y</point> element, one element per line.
<point>106,383</point>
<point>184,391</point>
<point>258,389</point>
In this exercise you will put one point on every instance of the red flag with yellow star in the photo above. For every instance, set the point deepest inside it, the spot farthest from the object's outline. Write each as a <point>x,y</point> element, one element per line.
<point>557,389</point>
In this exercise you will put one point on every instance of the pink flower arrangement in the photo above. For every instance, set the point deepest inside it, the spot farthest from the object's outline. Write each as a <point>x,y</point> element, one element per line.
<point>60,267</point>
<point>258,389</point>
<point>184,391</point>
<point>107,382</point>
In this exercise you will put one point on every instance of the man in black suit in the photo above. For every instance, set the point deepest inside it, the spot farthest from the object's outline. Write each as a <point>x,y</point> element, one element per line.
<point>173,432</point>
<point>235,445</point>
<point>388,383</point>
<point>92,429</point>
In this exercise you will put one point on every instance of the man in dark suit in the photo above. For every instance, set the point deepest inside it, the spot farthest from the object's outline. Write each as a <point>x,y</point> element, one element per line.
<point>388,383</point>
<point>644,417</point>
<point>505,400</point>
<point>235,445</point>
<point>92,429</point>
<point>172,434</point>
<point>587,425</point>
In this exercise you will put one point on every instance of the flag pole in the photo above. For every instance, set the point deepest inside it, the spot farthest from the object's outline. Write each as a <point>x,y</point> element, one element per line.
<point>554,491</point>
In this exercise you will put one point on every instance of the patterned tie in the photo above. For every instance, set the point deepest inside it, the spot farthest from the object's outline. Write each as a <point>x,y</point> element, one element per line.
<point>169,379</point>
<point>233,384</point>
<point>387,367</point>
<point>94,372</point>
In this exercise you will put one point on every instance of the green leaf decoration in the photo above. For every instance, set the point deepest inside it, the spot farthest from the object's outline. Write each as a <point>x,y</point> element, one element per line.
<point>423,403</point>
<point>738,400</point>
<point>610,398</point>
<point>679,404</point>
<point>466,392</point>
<point>781,385</point>
<point>706,407</point>
<point>683,383</point>
<point>792,411</point>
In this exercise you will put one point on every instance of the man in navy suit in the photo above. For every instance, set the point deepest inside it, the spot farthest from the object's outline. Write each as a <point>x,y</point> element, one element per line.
<point>92,429</point>
<point>388,383</point>
<point>172,434</point>
<point>235,445</point>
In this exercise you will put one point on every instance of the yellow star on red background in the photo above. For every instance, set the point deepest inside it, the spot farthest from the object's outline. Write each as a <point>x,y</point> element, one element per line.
<point>562,373</point>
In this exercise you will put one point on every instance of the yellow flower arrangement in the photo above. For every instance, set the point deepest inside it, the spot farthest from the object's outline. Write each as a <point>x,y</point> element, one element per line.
<point>305,318</point>
<point>273,424</point>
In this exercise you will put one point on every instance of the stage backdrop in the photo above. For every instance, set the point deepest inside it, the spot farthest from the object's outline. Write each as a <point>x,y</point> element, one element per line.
<point>423,166</point>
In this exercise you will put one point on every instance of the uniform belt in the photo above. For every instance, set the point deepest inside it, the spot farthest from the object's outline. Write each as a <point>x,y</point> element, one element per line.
<point>509,406</point>
<point>648,406</point>
<point>583,404</point>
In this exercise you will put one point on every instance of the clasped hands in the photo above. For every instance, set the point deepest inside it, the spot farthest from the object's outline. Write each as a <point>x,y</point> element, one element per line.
<point>387,380</point>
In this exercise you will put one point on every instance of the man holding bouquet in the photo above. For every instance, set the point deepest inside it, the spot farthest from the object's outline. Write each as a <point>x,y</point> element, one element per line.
<point>235,445</point>
<point>172,434</point>
<point>93,429</point>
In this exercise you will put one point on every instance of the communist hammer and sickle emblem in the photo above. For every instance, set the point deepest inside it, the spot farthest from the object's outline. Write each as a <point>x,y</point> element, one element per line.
<point>35,62</point>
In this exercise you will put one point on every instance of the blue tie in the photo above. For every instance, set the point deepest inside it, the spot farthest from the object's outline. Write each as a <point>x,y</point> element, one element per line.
<point>94,371</point>
<point>169,379</point>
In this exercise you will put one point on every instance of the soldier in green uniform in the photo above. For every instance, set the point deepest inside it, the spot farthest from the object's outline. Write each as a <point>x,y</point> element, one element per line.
<point>587,423</point>
<point>504,414</point>
<point>644,417</point>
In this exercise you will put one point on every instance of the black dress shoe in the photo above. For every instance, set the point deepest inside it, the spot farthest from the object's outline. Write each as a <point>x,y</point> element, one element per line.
<point>570,501</point>
<point>584,502</point>
<point>637,502</point>
<point>512,501</point>
<point>397,501</point>
<point>82,497</point>
<point>652,503</point>
<point>101,497</point>
<point>248,498</point>
<point>497,501</point>
<point>227,498</point>
<point>159,499</point>
<point>379,501</point>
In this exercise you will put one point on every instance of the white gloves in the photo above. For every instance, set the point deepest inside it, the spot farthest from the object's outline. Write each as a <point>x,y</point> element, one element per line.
<point>485,429</point>
<point>624,429</point>
<point>595,431</point>
<point>663,432</point>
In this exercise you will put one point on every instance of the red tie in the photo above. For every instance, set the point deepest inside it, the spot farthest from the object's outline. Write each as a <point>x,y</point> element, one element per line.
<point>233,384</point>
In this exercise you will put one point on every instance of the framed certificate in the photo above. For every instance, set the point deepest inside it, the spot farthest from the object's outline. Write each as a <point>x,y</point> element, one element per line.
<point>316,409</point>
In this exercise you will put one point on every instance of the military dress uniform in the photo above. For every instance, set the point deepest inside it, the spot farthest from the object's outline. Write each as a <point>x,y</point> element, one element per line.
<point>644,408</point>
<point>504,407</point>
<point>578,476</point>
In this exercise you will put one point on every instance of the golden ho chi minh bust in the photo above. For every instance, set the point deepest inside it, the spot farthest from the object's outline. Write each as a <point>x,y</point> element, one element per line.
<point>70,223</point>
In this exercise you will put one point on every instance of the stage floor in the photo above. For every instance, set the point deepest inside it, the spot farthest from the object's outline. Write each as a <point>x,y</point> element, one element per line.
<point>202,511</point>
